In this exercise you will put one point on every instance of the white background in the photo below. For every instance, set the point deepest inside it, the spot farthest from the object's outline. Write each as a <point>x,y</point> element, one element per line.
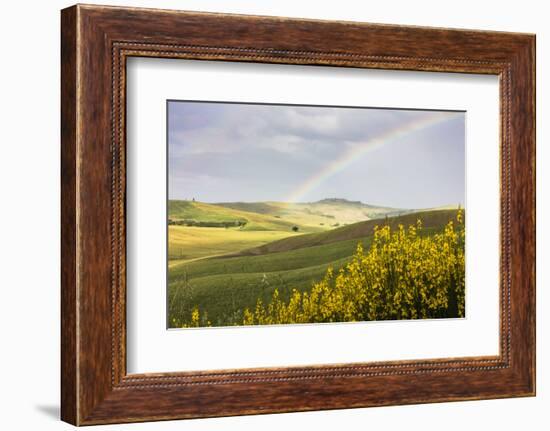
<point>151,348</point>
<point>29,217</point>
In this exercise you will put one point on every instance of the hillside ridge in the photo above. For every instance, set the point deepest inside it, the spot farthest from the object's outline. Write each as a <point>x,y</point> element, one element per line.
<point>429,219</point>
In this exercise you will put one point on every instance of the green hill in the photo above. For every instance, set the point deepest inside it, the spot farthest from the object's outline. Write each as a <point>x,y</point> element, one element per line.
<point>193,213</point>
<point>199,230</point>
<point>430,219</point>
<point>225,285</point>
<point>271,208</point>
<point>329,213</point>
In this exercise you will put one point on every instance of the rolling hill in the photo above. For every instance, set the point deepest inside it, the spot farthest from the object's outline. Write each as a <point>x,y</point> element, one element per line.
<point>430,219</point>
<point>200,212</point>
<point>327,212</point>
<point>225,285</point>
<point>199,230</point>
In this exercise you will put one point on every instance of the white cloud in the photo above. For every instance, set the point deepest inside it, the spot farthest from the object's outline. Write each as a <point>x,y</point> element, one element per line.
<point>271,148</point>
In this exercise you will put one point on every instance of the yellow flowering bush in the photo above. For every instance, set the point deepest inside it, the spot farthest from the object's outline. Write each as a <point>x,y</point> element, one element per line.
<point>404,275</point>
<point>197,320</point>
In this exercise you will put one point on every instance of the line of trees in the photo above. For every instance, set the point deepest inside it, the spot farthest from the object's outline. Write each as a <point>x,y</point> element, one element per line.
<point>225,224</point>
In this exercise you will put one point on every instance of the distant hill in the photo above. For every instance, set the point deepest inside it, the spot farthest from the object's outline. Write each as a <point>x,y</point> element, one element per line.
<point>330,213</point>
<point>272,208</point>
<point>340,201</point>
<point>203,214</point>
<point>309,217</point>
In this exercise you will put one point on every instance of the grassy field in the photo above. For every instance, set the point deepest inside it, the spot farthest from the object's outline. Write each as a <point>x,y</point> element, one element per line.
<point>327,212</point>
<point>224,270</point>
<point>203,212</point>
<point>259,223</point>
<point>431,219</point>
<point>189,242</point>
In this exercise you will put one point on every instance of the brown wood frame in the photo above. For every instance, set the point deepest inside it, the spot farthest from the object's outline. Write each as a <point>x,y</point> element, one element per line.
<point>95,43</point>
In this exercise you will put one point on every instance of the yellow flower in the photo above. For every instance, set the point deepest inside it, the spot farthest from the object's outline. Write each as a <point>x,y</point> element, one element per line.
<point>404,275</point>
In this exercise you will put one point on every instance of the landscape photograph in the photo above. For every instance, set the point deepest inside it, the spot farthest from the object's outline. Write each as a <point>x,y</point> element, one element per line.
<point>298,214</point>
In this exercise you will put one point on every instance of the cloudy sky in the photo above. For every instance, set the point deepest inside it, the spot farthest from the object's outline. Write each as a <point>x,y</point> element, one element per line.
<point>220,152</point>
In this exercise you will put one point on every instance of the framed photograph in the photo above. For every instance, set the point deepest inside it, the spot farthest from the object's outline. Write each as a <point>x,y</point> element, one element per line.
<point>276,229</point>
<point>264,214</point>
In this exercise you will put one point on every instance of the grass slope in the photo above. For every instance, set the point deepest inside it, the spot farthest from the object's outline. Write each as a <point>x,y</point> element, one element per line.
<point>224,296</point>
<point>224,286</point>
<point>188,242</point>
<point>326,212</point>
<point>204,212</point>
<point>429,219</point>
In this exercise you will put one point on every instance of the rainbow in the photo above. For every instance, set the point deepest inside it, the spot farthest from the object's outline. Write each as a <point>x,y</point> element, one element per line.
<point>358,151</point>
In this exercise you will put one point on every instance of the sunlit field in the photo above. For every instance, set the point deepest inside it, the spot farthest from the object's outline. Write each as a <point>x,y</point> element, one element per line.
<point>369,270</point>
<point>302,214</point>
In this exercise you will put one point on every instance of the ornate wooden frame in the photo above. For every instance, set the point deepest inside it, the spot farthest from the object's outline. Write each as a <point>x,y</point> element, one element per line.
<point>95,42</point>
